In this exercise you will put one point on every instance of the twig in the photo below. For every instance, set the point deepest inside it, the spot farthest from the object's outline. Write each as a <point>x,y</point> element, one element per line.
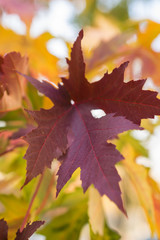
<point>31,203</point>
<point>46,195</point>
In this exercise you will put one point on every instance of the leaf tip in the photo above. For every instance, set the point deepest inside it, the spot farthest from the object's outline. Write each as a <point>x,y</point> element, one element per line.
<point>124,65</point>
<point>81,33</point>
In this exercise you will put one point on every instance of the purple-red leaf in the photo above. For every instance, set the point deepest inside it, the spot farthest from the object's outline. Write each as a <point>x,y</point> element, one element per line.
<point>110,93</point>
<point>3,230</point>
<point>28,230</point>
<point>49,140</point>
<point>93,154</point>
<point>24,235</point>
<point>58,96</point>
<point>69,132</point>
<point>77,85</point>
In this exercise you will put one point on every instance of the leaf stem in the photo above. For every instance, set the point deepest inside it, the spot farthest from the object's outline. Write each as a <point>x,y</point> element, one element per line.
<point>46,195</point>
<point>31,203</point>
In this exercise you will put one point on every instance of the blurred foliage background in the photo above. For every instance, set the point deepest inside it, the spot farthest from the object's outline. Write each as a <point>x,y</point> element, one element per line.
<point>115,31</point>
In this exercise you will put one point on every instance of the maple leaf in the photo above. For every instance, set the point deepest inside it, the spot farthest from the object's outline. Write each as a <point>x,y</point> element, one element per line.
<point>28,230</point>
<point>24,235</point>
<point>3,230</point>
<point>93,154</point>
<point>12,85</point>
<point>110,93</point>
<point>41,61</point>
<point>69,132</point>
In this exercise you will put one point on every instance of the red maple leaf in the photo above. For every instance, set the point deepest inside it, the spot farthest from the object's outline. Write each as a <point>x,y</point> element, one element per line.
<point>3,230</point>
<point>28,230</point>
<point>24,235</point>
<point>70,133</point>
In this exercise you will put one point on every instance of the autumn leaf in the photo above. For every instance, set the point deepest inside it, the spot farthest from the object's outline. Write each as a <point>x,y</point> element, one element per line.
<point>142,52</point>
<point>66,214</point>
<point>12,85</point>
<point>138,176</point>
<point>108,50</point>
<point>110,93</point>
<point>69,132</point>
<point>40,60</point>
<point>96,212</point>
<point>156,201</point>
<point>25,9</point>
<point>28,230</point>
<point>13,211</point>
<point>3,230</point>
<point>109,234</point>
<point>24,235</point>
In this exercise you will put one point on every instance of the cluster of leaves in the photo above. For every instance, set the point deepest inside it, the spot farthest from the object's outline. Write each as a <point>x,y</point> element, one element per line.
<point>66,128</point>
<point>24,234</point>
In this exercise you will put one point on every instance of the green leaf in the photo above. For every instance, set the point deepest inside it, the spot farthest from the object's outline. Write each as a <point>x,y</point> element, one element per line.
<point>72,216</point>
<point>109,234</point>
<point>126,138</point>
<point>13,213</point>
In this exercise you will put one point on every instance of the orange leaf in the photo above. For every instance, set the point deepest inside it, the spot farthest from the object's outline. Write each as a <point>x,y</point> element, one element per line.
<point>12,84</point>
<point>40,60</point>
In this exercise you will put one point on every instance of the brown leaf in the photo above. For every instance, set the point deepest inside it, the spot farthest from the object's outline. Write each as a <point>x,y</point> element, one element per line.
<point>13,84</point>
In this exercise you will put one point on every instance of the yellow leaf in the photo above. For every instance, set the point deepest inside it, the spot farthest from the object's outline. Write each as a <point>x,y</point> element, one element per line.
<point>40,60</point>
<point>95,211</point>
<point>138,176</point>
<point>156,201</point>
<point>13,212</point>
<point>142,52</point>
<point>148,32</point>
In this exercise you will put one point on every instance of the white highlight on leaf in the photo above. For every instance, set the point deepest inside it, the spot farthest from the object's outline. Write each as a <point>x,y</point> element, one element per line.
<point>37,237</point>
<point>61,12</point>
<point>57,47</point>
<point>98,113</point>
<point>72,102</point>
<point>140,135</point>
<point>2,124</point>
<point>143,161</point>
<point>137,68</point>
<point>13,22</point>
<point>155,45</point>
<point>85,233</point>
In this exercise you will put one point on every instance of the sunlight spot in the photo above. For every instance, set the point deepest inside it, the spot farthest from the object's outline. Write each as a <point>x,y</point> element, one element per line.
<point>149,85</point>
<point>155,45</point>
<point>143,26</point>
<point>57,47</point>
<point>143,161</point>
<point>98,113</point>
<point>37,237</point>
<point>137,68</point>
<point>140,135</point>
<point>13,22</point>
<point>72,102</point>
<point>2,124</point>
<point>61,12</point>
<point>133,39</point>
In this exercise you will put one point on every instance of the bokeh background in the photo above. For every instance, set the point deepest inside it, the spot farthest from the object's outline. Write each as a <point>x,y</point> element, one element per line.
<point>114,31</point>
